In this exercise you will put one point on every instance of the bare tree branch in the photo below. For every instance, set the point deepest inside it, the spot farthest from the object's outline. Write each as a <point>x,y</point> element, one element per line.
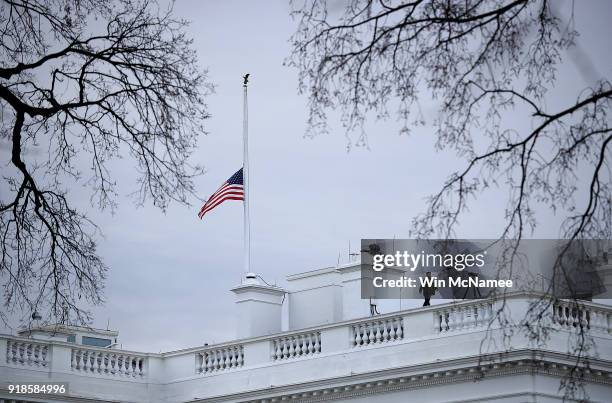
<point>485,63</point>
<point>131,86</point>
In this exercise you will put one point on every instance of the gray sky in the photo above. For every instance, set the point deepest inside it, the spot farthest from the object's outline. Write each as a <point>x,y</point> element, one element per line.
<point>170,273</point>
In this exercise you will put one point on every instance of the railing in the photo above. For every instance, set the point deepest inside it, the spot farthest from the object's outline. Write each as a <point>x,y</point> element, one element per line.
<point>298,345</point>
<point>378,331</point>
<point>219,359</point>
<point>347,337</point>
<point>111,363</point>
<point>574,315</point>
<point>27,353</point>
<point>462,317</point>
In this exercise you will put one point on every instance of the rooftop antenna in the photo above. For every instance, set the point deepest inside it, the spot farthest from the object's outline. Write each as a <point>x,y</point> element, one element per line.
<point>352,255</point>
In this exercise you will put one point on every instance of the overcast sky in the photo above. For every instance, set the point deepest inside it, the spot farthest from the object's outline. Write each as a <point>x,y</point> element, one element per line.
<point>170,273</point>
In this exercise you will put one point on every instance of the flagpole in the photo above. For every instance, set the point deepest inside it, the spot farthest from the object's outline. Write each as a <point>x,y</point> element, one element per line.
<point>245,177</point>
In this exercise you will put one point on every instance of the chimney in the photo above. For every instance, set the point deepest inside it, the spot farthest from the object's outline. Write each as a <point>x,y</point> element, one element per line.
<point>259,307</point>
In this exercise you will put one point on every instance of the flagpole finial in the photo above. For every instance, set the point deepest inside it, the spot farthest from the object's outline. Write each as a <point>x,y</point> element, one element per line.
<point>246,79</point>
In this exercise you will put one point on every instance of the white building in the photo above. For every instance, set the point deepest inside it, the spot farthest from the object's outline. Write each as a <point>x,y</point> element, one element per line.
<point>316,341</point>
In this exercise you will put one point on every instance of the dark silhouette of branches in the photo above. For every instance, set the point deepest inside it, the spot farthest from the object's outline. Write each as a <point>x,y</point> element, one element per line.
<point>485,63</point>
<point>93,81</point>
<point>480,59</point>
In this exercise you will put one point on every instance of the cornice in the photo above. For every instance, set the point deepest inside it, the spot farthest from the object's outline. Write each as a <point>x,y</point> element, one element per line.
<point>533,362</point>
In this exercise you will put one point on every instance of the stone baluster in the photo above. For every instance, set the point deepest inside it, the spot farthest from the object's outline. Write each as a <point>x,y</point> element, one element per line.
<point>376,330</point>
<point>132,366</point>
<point>298,346</point>
<point>92,361</point>
<point>199,364</point>
<point>460,316</point>
<point>100,362</point>
<point>595,321</point>
<point>226,358</point>
<point>207,362</point>
<point>233,358</point>
<point>223,358</point>
<point>127,365</point>
<point>565,315</point>
<point>385,333</point>
<point>371,334</point>
<point>85,355</point>
<point>79,360</point>
<point>37,355</point>
<point>85,361</point>
<point>114,364</point>
<point>393,334</point>
<point>483,316</point>
<point>451,319</point>
<point>210,361</point>
<point>473,316</point>
<point>291,348</point>
<point>603,322</point>
<point>212,358</point>
<point>29,352</point>
<point>21,349</point>
<point>120,364</point>
<point>105,363</point>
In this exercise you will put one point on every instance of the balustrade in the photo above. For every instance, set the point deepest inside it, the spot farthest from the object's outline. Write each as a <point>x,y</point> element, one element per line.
<point>573,315</point>
<point>27,353</point>
<point>110,363</point>
<point>462,317</point>
<point>298,345</point>
<point>219,359</point>
<point>377,331</point>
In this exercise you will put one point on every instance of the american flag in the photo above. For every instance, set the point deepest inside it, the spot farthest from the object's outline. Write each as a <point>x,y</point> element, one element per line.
<point>232,189</point>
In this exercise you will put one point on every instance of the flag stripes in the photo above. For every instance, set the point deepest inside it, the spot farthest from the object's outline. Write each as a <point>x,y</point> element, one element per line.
<point>232,189</point>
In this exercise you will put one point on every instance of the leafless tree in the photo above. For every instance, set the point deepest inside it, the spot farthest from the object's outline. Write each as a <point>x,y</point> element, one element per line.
<point>91,81</point>
<point>485,62</point>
